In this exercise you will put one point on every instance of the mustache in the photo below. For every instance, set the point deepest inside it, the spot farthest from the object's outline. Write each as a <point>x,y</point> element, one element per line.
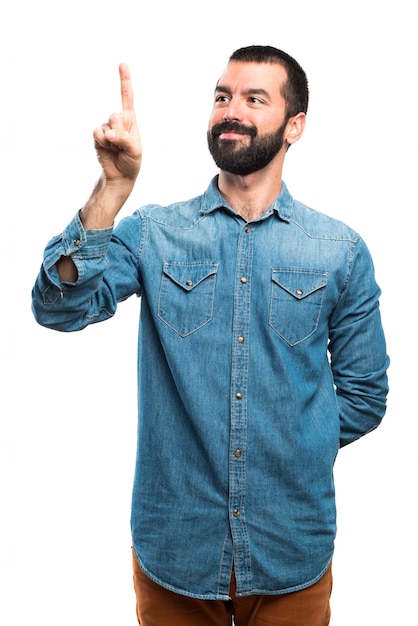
<point>233,127</point>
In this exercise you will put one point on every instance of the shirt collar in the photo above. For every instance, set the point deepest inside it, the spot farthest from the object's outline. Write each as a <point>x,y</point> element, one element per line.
<point>212,200</point>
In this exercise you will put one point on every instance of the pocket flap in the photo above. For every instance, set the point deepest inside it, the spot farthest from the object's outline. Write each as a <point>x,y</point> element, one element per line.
<point>189,275</point>
<point>299,283</point>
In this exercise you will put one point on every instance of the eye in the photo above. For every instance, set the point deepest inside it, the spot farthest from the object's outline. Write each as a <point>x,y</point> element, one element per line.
<point>221,98</point>
<point>254,100</point>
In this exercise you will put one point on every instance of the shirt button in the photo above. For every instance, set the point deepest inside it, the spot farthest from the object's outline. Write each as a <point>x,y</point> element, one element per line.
<point>189,283</point>
<point>238,453</point>
<point>236,513</point>
<point>299,292</point>
<point>243,280</point>
<point>241,340</point>
<point>238,396</point>
<point>76,242</point>
<point>247,229</point>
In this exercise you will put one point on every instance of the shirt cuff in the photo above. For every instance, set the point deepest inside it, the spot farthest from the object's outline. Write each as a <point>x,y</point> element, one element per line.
<point>78,243</point>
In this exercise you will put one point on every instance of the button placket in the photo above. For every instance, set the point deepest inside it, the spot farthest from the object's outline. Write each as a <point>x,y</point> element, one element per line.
<point>238,390</point>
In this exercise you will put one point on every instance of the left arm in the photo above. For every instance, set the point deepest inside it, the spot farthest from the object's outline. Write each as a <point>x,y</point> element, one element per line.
<point>358,350</point>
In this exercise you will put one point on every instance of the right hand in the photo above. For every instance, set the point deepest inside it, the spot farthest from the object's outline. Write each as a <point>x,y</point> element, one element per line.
<point>119,151</point>
<point>118,143</point>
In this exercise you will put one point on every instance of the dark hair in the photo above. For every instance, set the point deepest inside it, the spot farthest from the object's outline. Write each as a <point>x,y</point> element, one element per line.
<point>295,91</point>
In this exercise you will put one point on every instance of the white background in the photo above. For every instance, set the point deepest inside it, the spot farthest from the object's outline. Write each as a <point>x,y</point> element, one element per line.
<point>68,415</point>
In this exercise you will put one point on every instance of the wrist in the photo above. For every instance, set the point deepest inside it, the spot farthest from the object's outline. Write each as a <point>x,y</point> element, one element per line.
<point>105,202</point>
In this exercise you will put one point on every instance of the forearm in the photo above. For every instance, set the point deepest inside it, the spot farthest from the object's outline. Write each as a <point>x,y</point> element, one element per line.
<point>105,202</point>
<point>67,270</point>
<point>106,269</point>
<point>71,273</point>
<point>359,364</point>
<point>98,213</point>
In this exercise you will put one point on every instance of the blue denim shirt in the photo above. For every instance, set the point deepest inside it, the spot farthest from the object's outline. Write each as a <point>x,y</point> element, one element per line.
<point>260,353</point>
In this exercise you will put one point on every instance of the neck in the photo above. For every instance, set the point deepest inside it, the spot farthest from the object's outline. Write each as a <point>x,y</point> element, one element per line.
<point>251,195</point>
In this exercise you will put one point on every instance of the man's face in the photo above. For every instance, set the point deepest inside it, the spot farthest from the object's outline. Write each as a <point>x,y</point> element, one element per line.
<point>248,123</point>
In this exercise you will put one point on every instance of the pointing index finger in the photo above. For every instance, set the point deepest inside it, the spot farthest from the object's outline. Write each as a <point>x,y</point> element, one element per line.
<point>126,89</point>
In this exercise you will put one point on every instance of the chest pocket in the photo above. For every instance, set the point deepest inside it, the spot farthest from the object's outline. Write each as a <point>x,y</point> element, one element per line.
<point>187,294</point>
<point>295,304</point>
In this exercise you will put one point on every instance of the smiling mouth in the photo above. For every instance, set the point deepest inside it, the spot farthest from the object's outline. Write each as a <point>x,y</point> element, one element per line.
<point>233,130</point>
<point>233,135</point>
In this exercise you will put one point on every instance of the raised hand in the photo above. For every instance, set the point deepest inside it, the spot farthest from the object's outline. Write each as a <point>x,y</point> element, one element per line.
<point>119,151</point>
<point>117,142</point>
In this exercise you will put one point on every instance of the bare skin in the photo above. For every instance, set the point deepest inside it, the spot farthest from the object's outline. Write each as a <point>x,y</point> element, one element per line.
<point>246,92</point>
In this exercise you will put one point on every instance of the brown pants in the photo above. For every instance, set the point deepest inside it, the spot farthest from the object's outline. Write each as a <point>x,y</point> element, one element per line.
<point>156,606</point>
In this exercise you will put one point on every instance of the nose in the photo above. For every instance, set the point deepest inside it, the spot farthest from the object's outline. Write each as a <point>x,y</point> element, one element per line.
<point>233,112</point>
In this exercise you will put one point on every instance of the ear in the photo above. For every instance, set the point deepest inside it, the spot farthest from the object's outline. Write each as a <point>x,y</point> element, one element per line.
<point>295,128</point>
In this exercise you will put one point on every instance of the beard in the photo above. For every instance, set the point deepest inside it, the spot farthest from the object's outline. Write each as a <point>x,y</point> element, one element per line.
<point>230,157</point>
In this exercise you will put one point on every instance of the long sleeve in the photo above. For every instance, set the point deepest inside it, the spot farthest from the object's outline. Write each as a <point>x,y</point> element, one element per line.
<point>107,274</point>
<point>358,350</point>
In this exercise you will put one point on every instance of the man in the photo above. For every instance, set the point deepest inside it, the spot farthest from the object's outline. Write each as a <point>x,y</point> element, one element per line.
<point>245,292</point>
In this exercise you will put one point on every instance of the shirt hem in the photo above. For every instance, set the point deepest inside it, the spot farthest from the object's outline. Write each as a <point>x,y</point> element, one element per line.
<point>242,594</point>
